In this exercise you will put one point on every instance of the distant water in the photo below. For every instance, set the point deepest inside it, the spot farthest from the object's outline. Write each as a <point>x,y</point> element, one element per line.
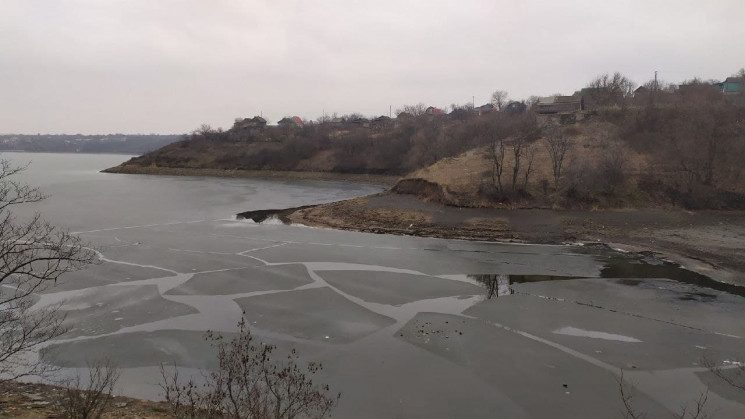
<point>82,198</point>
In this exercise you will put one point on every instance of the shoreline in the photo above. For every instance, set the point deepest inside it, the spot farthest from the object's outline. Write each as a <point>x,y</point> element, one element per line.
<point>706,242</point>
<point>633,230</point>
<point>20,399</point>
<point>379,180</point>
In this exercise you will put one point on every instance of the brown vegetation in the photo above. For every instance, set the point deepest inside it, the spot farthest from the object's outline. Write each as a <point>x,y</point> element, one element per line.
<point>250,383</point>
<point>657,146</point>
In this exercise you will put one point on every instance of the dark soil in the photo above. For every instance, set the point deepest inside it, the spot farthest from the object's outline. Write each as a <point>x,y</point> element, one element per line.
<point>710,242</point>
<point>29,400</point>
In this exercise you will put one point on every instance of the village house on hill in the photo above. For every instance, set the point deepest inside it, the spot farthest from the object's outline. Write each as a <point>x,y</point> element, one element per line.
<point>484,109</point>
<point>432,110</point>
<point>515,108</point>
<point>293,121</point>
<point>563,109</point>
<point>733,86</point>
<point>249,125</point>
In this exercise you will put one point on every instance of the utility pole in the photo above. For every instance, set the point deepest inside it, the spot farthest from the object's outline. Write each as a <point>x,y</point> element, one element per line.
<point>473,102</point>
<point>390,111</point>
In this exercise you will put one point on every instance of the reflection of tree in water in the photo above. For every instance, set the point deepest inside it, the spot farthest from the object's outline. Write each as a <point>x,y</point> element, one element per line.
<point>496,285</point>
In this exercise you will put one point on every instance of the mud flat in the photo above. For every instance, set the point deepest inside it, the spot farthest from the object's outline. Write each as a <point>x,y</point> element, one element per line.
<point>710,242</point>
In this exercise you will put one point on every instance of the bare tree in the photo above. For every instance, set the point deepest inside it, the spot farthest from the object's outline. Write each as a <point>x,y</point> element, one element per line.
<point>250,383</point>
<point>33,255</point>
<point>628,391</point>
<point>530,101</point>
<point>734,375</point>
<point>499,99</point>
<point>527,130</point>
<point>612,166</point>
<point>558,145</point>
<point>530,157</point>
<point>497,154</point>
<point>607,90</point>
<point>90,400</point>
<point>415,110</point>
<point>519,146</point>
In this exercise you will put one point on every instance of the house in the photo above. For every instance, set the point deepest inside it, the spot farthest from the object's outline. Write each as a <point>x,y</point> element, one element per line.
<point>363,122</point>
<point>381,122</point>
<point>641,91</point>
<point>485,109</point>
<point>404,115</point>
<point>256,123</point>
<point>294,121</point>
<point>559,104</point>
<point>515,108</point>
<point>733,86</point>
<point>433,111</point>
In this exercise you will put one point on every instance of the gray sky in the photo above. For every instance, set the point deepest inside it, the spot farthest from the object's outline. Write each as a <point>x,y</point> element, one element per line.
<point>166,66</point>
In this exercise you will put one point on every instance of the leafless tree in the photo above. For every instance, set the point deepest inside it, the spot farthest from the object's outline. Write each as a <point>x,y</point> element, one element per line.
<point>628,390</point>
<point>607,90</point>
<point>527,130</point>
<point>558,146</point>
<point>530,101</point>
<point>250,383</point>
<point>33,255</point>
<point>734,375</point>
<point>529,157</point>
<point>497,154</point>
<point>612,166</point>
<point>499,99</point>
<point>91,399</point>
<point>415,110</point>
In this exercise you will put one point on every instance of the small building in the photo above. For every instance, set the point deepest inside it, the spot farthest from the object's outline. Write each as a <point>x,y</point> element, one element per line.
<point>641,91</point>
<point>432,110</point>
<point>294,122</point>
<point>362,122</point>
<point>256,123</point>
<point>404,115</point>
<point>733,86</point>
<point>515,108</point>
<point>559,104</point>
<point>381,122</point>
<point>485,109</point>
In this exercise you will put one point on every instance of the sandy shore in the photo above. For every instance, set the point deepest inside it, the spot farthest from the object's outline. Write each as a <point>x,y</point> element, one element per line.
<point>709,242</point>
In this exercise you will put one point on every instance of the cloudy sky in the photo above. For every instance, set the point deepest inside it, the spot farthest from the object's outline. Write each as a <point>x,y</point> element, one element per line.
<point>167,66</point>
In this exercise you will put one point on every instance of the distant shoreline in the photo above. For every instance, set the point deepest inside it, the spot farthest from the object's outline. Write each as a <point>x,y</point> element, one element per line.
<point>118,153</point>
<point>379,180</point>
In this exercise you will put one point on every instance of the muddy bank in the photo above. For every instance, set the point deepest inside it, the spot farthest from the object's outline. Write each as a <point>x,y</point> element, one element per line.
<point>31,400</point>
<point>260,216</point>
<point>710,242</point>
<point>383,180</point>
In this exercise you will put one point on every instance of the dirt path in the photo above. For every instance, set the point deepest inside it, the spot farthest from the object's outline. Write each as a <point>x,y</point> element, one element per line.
<point>710,242</point>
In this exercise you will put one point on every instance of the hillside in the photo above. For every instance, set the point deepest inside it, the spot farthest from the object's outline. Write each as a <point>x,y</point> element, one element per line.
<point>685,151</point>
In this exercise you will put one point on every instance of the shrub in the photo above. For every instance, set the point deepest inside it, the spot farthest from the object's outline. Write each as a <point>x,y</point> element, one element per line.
<point>250,383</point>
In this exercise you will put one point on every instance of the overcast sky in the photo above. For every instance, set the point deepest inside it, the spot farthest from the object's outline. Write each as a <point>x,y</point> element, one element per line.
<point>167,66</point>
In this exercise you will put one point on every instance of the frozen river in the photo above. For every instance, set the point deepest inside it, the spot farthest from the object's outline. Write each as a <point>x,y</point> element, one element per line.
<point>404,326</point>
